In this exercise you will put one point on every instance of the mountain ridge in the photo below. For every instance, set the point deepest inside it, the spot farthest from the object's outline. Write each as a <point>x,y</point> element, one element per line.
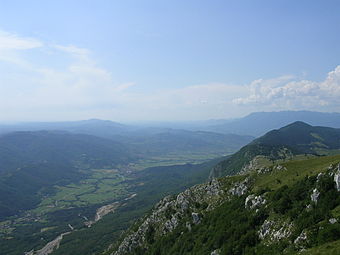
<point>286,142</point>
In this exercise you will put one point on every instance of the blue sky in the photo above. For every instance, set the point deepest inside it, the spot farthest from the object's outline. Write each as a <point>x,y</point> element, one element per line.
<point>166,60</point>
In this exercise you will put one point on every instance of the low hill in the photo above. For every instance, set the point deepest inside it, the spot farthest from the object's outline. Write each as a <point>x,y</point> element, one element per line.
<point>91,127</point>
<point>31,163</point>
<point>22,148</point>
<point>294,139</point>
<point>145,141</point>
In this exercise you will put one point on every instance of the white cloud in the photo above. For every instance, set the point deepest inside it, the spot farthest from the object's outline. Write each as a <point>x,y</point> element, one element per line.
<point>10,41</point>
<point>34,89</point>
<point>294,94</point>
<point>61,82</point>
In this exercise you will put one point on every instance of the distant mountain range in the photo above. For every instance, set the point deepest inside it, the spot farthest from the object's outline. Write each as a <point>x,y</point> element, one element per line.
<point>144,141</point>
<point>259,123</point>
<point>103,128</point>
<point>294,139</point>
<point>254,124</point>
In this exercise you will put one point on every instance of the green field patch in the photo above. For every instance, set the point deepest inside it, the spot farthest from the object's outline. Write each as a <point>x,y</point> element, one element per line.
<point>101,186</point>
<point>100,197</point>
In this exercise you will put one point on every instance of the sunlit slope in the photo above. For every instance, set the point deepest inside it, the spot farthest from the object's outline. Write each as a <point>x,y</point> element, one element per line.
<point>297,138</point>
<point>288,208</point>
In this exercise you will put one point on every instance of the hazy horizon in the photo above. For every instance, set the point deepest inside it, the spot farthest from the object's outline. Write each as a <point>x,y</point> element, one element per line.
<point>137,61</point>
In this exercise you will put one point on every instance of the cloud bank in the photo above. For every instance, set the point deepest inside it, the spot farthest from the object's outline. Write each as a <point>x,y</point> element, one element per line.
<point>285,92</point>
<point>42,81</point>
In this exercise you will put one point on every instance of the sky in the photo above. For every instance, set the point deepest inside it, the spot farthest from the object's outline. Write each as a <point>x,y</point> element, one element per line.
<point>167,60</point>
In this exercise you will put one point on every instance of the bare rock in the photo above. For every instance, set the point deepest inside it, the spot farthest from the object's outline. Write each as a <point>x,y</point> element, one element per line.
<point>337,178</point>
<point>188,226</point>
<point>301,241</point>
<point>253,201</point>
<point>240,188</point>
<point>280,168</point>
<point>315,196</point>
<point>215,252</point>
<point>195,218</point>
<point>332,220</point>
<point>275,231</point>
<point>265,229</point>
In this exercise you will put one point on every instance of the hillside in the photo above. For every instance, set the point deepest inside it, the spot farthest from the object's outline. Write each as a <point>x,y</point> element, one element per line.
<point>23,148</point>
<point>131,194</point>
<point>51,180</point>
<point>295,139</point>
<point>291,208</point>
<point>31,163</point>
<point>259,123</point>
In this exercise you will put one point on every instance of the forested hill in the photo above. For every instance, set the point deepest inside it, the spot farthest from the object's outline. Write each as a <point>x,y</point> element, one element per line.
<point>294,139</point>
<point>23,148</point>
<point>31,163</point>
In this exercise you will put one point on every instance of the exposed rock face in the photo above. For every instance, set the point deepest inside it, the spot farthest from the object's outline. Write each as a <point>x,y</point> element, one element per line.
<point>274,231</point>
<point>263,170</point>
<point>318,178</point>
<point>301,241</point>
<point>240,188</point>
<point>168,213</point>
<point>188,226</point>
<point>253,201</point>
<point>279,168</point>
<point>195,218</point>
<point>265,229</point>
<point>315,196</point>
<point>171,224</point>
<point>215,252</point>
<point>337,178</point>
<point>332,220</point>
<point>252,165</point>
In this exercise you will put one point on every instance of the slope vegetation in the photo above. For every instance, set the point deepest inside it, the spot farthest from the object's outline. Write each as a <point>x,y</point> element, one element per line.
<point>288,208</point>
<point>31,163</point>
<point>295,139</point>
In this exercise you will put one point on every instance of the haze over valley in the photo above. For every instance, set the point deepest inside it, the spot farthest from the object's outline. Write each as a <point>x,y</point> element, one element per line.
<point>169,127</point>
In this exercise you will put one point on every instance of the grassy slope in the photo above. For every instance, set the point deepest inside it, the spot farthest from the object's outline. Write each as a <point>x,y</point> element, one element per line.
<point>331,248</point>
<point>296,170</point>
<point>234,228</point>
